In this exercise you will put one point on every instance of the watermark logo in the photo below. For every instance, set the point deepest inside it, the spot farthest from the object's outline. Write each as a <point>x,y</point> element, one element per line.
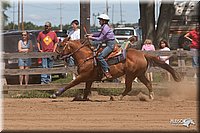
<point>184,122</point>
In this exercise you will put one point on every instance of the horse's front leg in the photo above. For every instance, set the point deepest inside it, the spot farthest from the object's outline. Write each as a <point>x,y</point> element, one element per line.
<point>87,90</point>
<point>71,84</point>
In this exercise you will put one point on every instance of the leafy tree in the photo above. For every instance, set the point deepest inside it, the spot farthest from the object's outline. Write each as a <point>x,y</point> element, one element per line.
<point>147,18</point>
<point>167,12</point>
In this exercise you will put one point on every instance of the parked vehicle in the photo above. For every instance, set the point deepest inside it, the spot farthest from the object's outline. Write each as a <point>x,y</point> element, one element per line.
<point>124,33</point>
<point>10,41</point>
<point>61,34</point>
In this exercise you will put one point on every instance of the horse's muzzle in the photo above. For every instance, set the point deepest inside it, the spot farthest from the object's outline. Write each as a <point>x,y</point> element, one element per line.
<point>58,57</point>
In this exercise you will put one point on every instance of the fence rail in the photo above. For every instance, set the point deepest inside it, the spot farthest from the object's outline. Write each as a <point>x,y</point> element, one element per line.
<point>180,54</point>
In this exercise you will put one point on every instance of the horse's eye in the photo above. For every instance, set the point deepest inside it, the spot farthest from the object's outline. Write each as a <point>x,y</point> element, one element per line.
<point>60,46</point>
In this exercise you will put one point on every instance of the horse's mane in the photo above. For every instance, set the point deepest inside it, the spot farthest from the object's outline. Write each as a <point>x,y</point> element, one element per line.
<point>81,42</point>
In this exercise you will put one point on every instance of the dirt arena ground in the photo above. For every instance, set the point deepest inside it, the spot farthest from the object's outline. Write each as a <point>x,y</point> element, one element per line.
<point>131,114</point>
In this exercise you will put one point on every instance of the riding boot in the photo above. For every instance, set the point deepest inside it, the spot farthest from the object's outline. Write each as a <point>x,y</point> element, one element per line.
<point>107,76</point>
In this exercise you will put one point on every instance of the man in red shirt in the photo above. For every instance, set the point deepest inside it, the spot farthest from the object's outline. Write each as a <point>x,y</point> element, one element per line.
<point>194,37</point>
<point>47,42</point>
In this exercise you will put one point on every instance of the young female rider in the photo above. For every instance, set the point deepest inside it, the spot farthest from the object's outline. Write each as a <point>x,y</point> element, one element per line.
<point>106,36</point>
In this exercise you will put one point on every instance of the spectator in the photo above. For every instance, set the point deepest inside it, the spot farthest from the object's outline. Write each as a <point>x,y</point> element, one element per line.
<point>24,46</point>
<point>163,46</point>
<point>74,35</point>
<point>130,43</point>
<point>193,36</point>
<point>107,36</point>
<point>148,46</point>
<point>47,42</point>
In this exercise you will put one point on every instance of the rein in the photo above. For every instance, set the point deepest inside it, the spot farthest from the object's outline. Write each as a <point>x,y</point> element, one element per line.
<point>68,55</point>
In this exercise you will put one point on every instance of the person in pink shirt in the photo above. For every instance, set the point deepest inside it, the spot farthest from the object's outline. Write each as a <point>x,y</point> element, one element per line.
<point>148,46</point>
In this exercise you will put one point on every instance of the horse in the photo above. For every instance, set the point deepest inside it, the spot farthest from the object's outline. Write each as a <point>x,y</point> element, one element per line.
<point>135,65</point>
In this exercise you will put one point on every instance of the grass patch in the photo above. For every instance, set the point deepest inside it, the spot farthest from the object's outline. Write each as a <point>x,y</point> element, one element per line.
<point>56,79</point>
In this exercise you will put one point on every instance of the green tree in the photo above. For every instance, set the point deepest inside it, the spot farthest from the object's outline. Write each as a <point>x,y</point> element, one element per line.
<point>5,5</point>
<point>147,18</point>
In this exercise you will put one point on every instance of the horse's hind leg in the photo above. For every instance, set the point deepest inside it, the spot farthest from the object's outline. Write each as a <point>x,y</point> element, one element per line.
<point>87,90</point>
<point>148,84</point>
<point>128,84</point>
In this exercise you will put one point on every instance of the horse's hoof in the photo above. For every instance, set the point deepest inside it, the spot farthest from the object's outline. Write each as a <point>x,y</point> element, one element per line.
<point>121,98</point>
<point>53,96</point>
<point>78,98</point>
<point>112,98</point>
<point>151,95</point>
<point>86,99</point>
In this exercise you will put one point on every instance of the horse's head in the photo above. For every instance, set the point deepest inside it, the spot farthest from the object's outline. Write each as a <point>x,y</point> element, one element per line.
<point>63,48</point>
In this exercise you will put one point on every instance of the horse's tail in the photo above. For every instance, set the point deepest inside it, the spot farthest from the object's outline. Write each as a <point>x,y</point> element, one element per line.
<point>162,64</point>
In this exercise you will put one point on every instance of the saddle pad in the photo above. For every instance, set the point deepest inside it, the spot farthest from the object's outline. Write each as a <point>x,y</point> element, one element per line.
<point>120,57</point>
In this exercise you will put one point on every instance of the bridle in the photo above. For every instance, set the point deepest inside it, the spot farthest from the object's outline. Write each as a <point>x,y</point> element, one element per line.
<point>63,56</point>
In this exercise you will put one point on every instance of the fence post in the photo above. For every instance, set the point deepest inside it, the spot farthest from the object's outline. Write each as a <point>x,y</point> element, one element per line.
<point>181,61</point>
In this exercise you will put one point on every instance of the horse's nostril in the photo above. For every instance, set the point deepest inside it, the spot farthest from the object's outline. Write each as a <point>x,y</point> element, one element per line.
<point>58,57</point>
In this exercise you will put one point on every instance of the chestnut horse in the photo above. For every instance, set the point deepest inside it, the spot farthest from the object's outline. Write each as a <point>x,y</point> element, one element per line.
<point>135,65</point>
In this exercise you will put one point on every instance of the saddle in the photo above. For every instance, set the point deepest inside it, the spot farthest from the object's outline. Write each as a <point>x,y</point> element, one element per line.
<point>116,56</point>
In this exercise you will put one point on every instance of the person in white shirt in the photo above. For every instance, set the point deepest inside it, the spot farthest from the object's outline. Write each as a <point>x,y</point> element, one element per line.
<point>163,46</point>
<point>74,35</point>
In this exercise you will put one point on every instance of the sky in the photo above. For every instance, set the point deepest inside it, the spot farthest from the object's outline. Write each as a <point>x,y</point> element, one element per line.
<point>40,11</point>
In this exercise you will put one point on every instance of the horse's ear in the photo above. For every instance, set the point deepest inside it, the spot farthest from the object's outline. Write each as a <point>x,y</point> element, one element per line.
<point>68,47</point>
<point>68,38</point>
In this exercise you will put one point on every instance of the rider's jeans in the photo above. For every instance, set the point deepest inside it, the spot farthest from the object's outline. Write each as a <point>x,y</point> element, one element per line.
<point>106,51</point>
<point>46,63</point>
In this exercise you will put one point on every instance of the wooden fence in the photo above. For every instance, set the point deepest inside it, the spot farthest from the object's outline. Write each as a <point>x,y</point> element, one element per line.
<point>180,54</point>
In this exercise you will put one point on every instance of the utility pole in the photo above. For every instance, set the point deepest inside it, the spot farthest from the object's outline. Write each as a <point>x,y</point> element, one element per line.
<point>121,20</point>
<point>120,12</point>
<point>94,18</point>
<point>84,17</point>
<point>13,15</point>
<point>22,6</point>
<point>60,16</point>
<point>18,14</point>
<point>112,13</point>
<point>107,7</point>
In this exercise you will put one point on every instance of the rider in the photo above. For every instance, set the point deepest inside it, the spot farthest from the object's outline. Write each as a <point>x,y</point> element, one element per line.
<point>106,36</point>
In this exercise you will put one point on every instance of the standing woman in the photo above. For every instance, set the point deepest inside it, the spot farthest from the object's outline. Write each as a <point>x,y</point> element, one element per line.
<point>74,35</point>
<point>148,46</point>
<point>163,46</point>
<point>24,45</point>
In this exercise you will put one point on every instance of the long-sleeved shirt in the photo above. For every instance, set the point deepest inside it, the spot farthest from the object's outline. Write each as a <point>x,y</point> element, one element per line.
<point>106,34</point>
